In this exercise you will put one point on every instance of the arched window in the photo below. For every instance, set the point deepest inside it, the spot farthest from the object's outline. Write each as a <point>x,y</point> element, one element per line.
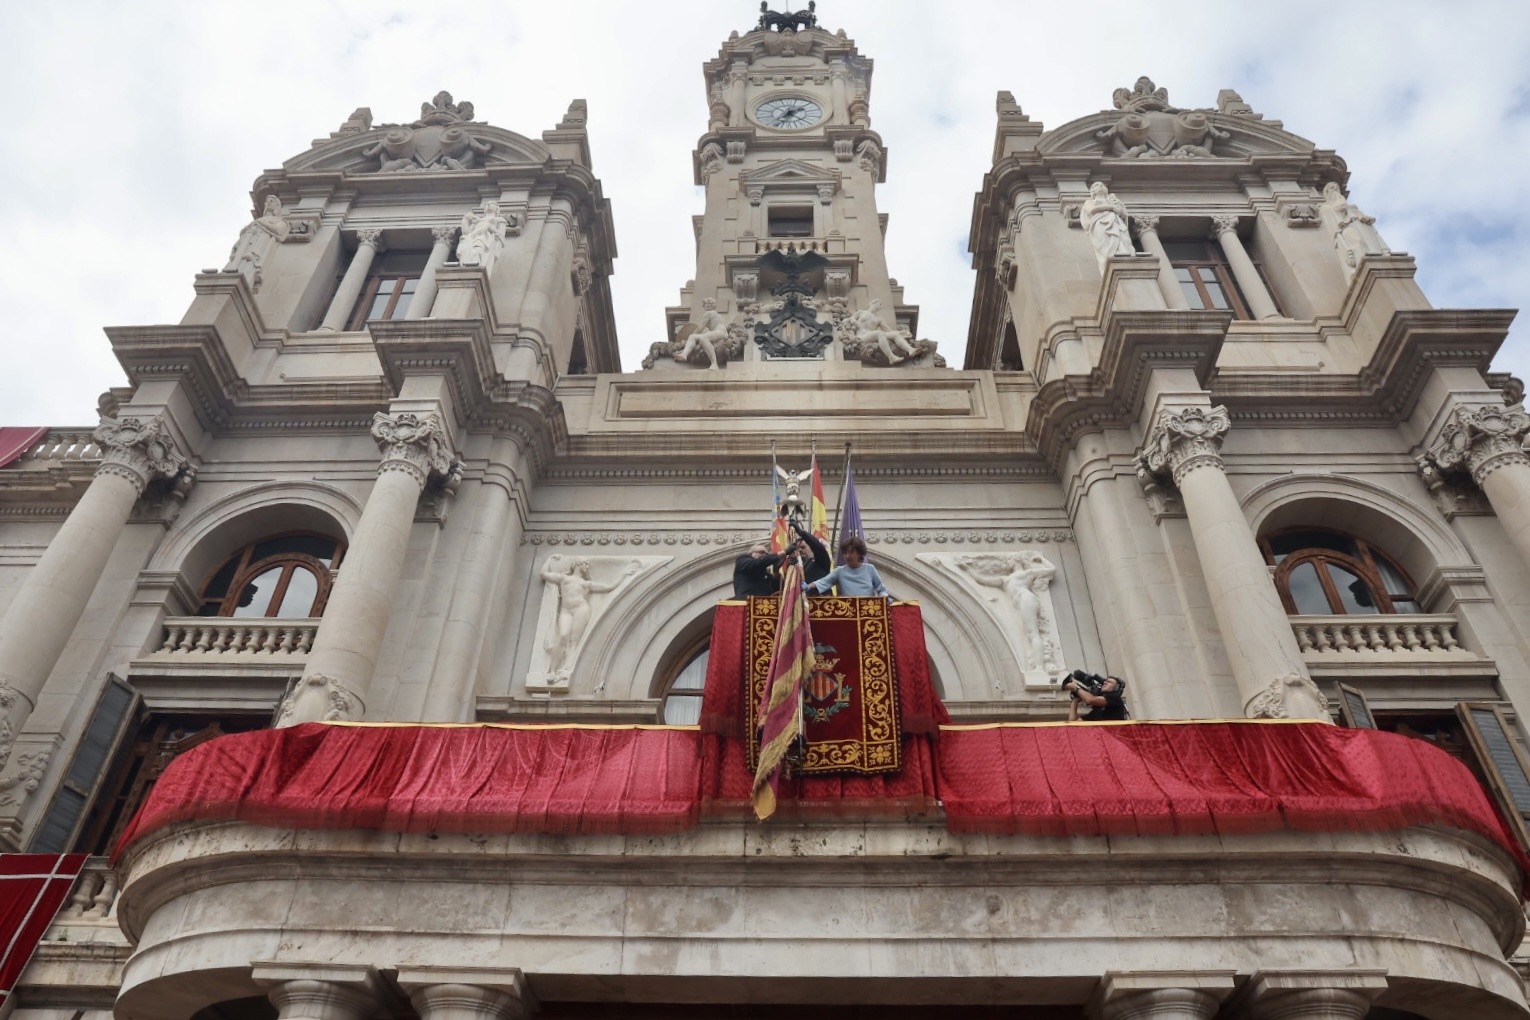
<point>287,576</point>
<point>682,696</point>
<point>1330,573</point>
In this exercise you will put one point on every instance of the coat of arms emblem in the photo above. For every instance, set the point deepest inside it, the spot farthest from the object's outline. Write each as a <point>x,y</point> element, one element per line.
<point>826,692</point>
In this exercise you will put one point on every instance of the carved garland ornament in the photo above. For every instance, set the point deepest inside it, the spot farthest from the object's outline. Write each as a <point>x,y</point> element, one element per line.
<point>1477,441</point>
<point>138,450</point>
<point>1273,701</point>
<point>318,698</point>
<point>1181,441</point>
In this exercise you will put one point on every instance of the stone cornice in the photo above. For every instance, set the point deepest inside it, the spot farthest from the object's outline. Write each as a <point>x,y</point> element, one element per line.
<point>1112,396</point>
<point>1387,389</point>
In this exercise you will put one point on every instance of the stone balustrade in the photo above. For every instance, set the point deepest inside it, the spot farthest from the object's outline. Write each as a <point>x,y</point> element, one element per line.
<point>94,896</point>
<point>799,244</point>
<point>1390,635</point>
<point>219,636</point>
<point>64,445</point>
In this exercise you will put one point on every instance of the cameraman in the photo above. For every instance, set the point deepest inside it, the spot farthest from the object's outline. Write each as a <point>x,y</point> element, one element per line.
<point>1106,699</point>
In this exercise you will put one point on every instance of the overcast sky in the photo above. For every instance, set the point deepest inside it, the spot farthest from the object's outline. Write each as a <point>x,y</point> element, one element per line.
<point>136,131</point>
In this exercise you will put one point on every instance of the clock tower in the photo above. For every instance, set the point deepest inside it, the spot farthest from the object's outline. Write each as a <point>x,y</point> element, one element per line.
<point>790,264</point>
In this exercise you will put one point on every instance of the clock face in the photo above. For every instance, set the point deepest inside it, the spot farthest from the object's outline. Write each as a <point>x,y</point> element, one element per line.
<point>789,112</point>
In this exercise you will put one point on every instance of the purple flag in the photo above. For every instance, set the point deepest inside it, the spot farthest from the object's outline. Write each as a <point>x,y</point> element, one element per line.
<point>850,524</point>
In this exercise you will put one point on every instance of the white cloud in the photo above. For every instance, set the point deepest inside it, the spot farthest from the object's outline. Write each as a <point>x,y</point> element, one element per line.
<point>137,130</point>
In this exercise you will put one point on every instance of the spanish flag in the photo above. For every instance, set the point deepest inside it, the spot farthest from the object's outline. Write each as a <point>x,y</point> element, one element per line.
<point>820,514</point>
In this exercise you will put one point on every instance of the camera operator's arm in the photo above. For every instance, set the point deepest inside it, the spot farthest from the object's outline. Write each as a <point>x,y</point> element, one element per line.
<point>1089,698</point>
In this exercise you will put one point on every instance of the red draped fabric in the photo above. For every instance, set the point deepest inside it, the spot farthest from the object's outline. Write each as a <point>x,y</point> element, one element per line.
<point>18,439</point>
<point>1206,777</point>
<point>484,778</point>
<point>32,889</point>
<point>726,779</point>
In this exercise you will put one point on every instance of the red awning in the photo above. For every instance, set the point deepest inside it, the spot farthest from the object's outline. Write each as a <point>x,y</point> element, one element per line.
<point>16,440</point>
<point>32,889</point>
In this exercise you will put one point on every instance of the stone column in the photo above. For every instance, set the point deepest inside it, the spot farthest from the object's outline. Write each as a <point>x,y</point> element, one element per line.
<point>1486,442</point>
<point>44,612</point>
<point>339,669</point>
<point>1191,995</point>
<point>453,676</point>
<point>839,92</point>
<point>738,74</point>
<point>1224,231</point>
<point>308,999</point>
<point>1309,995</point>
<point>368,244</point>
<point>1147,230</point>
<point>425,291</point>
<point>467,1002</point>
<point>1185,444</point>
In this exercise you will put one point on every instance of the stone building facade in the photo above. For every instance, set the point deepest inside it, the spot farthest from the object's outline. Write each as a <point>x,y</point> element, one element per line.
<point>1245,462</point>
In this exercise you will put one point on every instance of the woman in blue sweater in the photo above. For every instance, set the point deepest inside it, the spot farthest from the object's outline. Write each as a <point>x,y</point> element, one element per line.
<point>854,577</point>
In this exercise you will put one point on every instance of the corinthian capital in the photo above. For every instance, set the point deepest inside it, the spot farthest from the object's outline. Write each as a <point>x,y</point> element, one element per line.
<point>1181,441</point>
<point>1144,224</point>
<point>415,443</point>
<point>138,449</point>
<point>1479,440</point>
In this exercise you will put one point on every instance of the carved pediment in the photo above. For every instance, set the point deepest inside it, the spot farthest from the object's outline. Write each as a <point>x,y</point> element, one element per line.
<point>1144,125</point>
<point>790,172</point>
<point>443,138</point>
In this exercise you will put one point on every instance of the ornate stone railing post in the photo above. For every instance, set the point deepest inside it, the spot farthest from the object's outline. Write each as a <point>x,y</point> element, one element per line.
<point>1486,443</point>
<point>339,670</point>
<point>1184,445</point>
<point>1224,231</point>
<point>425,292</point>
<point>368,244</point>
<point>37,624</point>
<point>1147,230</point>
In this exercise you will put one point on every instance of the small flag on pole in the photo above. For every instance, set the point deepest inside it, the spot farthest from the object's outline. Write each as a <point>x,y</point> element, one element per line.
<point>820,515</point>
<point>851,524</point>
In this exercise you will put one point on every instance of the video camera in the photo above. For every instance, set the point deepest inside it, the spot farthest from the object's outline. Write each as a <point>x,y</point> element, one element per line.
<point>1093,682</point>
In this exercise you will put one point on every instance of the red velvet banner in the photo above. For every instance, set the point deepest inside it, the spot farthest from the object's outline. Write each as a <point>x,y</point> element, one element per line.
<point>32,889</point>
<point>850,697</point>
<point>1204,777</point>
<point>483,778</point>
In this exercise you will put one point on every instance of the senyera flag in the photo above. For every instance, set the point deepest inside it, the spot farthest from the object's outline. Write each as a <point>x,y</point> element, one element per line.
<point>780,713</point>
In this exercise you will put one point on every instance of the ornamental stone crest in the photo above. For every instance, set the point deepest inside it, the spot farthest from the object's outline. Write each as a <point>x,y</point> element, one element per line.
<point>439,140</point>
<point>1150,128</point>
<point>1181,441</point>
<point>415,443</point>
<point>1288,697</point>
<point>793,329</point>
<point>139,450</point>
<point>1477,441</point>
<point>318,698</point>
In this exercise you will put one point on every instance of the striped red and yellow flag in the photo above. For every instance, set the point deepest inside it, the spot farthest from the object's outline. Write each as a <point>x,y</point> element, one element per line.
<point>820,513</point>
<point>780,714</point>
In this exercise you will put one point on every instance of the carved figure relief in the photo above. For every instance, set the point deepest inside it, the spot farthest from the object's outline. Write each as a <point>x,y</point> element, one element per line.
<point>439,140</point>
<point>575,592</point>
<point>483,236</point>
<point>1150,128</point>
<point>1354,233</point>
<point>15,785</point>
<point>710,159</point>
<point>871,330</point>
<point>248,254</point>
<point>1104,219</point>
<point>1016,588</point>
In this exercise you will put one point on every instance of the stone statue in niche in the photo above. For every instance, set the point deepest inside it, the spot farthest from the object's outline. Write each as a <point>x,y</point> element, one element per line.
<point>255,240</point>
<point>1103,217</point>
<point>483,236</point>
<point>1354,233</point>
<point>574,591</point>
<point>871,330</point>
<point>1150,128</point>
<point>1017,588</point>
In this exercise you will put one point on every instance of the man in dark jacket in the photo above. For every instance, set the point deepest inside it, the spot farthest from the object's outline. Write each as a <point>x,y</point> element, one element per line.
<point>757,571</point>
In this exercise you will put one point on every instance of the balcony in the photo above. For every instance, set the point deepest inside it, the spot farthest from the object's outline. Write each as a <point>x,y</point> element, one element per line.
<point>1324,637</point>
<point>218,638</point>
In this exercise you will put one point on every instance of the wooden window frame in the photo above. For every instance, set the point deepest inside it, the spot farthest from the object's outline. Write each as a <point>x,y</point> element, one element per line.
<point>1363,567</point>
<point>250,568</point>
<point>1215,259</point>
<point>682,662</point>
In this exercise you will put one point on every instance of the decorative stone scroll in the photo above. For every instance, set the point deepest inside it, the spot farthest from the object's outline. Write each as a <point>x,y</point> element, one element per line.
<point>139,450</point>
<point>1275,701</point>
<point>439,140</point>
<point>1150,128</point>
<point>24,778</point>
<point>1181,441</point>
<point>1476,441</point>
<point>576,592</point>
<point>416,443</point>
<point>316,698</point>
<point>1016,588</point>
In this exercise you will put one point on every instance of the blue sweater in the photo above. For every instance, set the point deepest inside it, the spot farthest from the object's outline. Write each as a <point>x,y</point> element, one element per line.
<point>861,580</point>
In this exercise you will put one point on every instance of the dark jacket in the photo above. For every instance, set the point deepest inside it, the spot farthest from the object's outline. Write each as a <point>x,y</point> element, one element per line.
<point>1113,710</point>
<point>822,563</point>
<point>756,575</point>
